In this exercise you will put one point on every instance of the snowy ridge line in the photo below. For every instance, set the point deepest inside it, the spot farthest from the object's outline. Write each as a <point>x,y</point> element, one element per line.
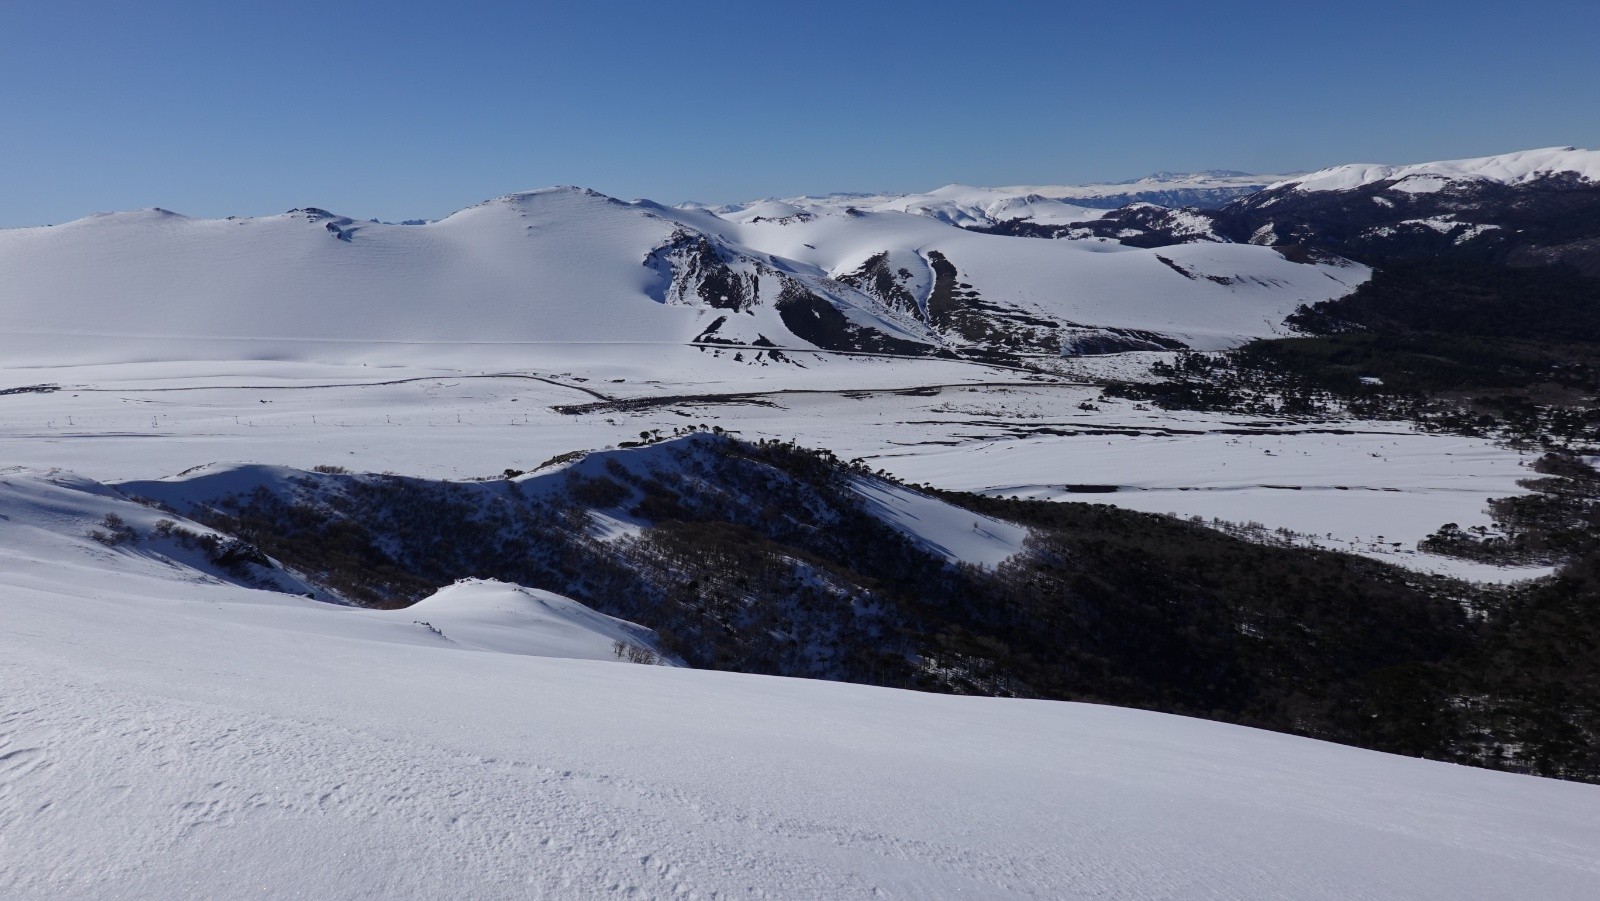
<point>1506,168</point>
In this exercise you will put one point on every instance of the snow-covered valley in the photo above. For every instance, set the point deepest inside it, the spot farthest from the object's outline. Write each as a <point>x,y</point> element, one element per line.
<point>951,425</point>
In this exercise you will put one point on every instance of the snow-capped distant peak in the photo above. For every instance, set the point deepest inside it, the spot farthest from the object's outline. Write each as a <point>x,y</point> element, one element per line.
<point>148,215</point>
<point>554,193</point>
<point>576,190</point>
<point>1505,168</point>
<point>1208,175</point>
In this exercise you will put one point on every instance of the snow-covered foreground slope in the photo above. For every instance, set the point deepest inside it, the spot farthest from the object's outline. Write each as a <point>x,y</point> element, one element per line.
<point>164,733</point>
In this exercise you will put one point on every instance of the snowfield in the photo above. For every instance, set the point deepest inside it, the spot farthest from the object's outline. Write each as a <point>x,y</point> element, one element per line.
<point>1373,492</point>
<point>167,733</point>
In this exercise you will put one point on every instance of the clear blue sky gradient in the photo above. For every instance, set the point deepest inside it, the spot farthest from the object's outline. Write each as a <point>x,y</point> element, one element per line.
<point>414,109</point>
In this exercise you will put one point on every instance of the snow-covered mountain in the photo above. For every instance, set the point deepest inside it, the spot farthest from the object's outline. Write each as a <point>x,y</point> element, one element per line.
<point>570,266</point>
<point>1426,178</point>
<point>1532,207</point>
<point>973,290</point>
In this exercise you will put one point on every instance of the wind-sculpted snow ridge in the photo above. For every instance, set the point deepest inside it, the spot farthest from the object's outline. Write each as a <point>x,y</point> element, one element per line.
<point>493,284</point>
<point>1507,168</point>
<point>168,733</point>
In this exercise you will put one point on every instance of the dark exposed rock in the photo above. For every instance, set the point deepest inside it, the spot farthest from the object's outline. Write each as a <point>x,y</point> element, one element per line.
<point>816,320</point>
<point>877,278</point>
<point>694,267</point>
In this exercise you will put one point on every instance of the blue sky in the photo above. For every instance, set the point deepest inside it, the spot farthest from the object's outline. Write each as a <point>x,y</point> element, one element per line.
<point>401,109</point>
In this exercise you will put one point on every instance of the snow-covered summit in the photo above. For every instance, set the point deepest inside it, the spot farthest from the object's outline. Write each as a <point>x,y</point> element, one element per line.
<point>1505,168</point>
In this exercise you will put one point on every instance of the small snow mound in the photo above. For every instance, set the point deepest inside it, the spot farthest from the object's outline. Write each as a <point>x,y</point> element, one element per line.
<point>489,615</point>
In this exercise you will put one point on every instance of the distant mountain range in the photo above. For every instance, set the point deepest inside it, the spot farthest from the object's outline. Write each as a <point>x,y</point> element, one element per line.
<point>967,206</point>
<point>1535,207</point>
